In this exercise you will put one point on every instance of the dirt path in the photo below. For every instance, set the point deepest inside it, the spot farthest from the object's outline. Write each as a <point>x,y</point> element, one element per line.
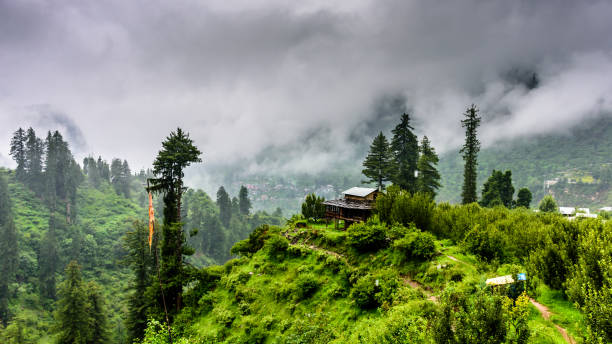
<point>416,285</point>
<point>546,313</point>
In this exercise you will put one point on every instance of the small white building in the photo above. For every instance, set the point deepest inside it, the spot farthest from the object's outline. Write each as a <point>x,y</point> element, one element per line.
<point>567,211</point>
<point>605,209</point>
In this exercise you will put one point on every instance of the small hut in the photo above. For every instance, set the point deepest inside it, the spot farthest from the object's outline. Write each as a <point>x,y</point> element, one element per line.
<point>356,206</point>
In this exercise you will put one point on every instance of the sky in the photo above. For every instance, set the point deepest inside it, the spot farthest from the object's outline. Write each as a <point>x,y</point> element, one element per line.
<point>292,86</point>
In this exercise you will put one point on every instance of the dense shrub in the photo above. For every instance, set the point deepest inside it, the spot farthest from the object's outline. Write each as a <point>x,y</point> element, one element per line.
<point>416,245</point>
<point>305,286</point>
<point>366,236</point>
<point>371,291</point>
<point>276,246</point>
<point>254,243</point>
<point>485,242</point>
<point>400,325</point>
<point>400,206</point>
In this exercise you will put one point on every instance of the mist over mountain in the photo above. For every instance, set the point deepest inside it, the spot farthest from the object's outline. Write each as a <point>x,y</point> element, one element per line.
<point>297,87</point>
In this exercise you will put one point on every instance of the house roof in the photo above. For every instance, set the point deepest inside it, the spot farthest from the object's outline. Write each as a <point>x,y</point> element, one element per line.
<point>505,279</point>
<point>567,210</point>
<point>342,203</point>
<point>359,192</point>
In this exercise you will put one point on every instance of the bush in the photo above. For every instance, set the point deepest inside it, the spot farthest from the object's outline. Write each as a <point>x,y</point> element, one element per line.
<point>416,245</point>
<point>254,243</point>
<point>305,286</point>
<point>399,206</point>
<point>487,243</point>
<point>371,291</point>
<point>276,246</point>
<point>366,237</point>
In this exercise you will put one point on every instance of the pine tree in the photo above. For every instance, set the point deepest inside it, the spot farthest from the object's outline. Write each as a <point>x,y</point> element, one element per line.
<point>428,180</point>
<point>523,198</point>
<point>470,154</point>
<point>225,206</point>
<point>126,174</point>
<point>378,165</point>
<point>498,190</point>
<point>18,152</point>
<point>116,175</point>
<point>35,151</point>
<point>48,261</point>
<point>140,259</point>
<point>405,149</point>
<point>98,318</point>
<point>235,205</point>
<point>72,318</point>
<point>8,250</point>
<point>244,202</point>
<point>313,207</point>
<point>177,153</point>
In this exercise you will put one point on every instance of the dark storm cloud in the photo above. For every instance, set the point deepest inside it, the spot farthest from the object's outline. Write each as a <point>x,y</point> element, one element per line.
<point>295,85</point>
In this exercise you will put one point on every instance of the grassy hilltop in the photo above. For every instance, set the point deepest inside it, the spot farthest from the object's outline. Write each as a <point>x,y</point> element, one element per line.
<point>398,284</point>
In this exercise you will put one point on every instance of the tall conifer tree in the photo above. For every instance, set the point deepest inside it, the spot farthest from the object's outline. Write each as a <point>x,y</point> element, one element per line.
<point>244,201</point>
<point>470,154</point>
<point>177,153</point>
<point>72,318</point>
<point>428,180</point>
<point>48,261</point>
<point>378,165</point>
<point>405,147</point>
<point>18,152</point>
<point>35,151</point>
<point>225,206</point>
<point>8,249</point>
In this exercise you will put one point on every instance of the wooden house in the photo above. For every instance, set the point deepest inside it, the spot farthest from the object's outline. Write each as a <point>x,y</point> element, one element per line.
<point>356,206</point>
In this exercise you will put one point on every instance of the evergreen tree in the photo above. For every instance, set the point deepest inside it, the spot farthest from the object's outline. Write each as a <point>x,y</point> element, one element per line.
<point>313,207</point>
<point>126,174</point>
<point>498,190</point>
<point>405,149</point>
<point>72,318</point>
<point>8,250</point>
<point>225,206</point>
<point>177,153</point>
<point>428,180</point>
<point>141,261</point>
<point>470,154</point>
<point>18,152</point>
<point>103,169</point>
<point>98,319</point>
<point>244,202</point>
<point>35,151</point>
<point>48,261</point>
<point>116,175</point>
<point>524,198</point>
<point>378,165</point>
<point>235,205</point>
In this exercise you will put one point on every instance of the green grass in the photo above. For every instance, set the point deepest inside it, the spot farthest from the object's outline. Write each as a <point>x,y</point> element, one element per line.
<point>564,312</point>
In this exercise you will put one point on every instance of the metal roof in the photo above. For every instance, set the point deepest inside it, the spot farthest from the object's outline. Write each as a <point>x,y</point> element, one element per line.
<point>359,192</point>
<point>505,279</point>
<point>349,204</point>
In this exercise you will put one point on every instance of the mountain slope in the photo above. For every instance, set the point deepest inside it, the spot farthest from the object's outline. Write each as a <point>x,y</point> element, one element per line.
<point>579,154</point>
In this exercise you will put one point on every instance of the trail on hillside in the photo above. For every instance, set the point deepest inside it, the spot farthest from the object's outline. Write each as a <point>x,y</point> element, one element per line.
<point>546,313</point>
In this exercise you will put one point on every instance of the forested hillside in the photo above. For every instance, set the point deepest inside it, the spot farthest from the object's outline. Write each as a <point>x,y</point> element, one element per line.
<point>583,155</point>
<point>61,212</point>
<point>421,280</point>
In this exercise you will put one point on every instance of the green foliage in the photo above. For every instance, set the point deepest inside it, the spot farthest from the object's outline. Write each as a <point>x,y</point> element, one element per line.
<point>399,206</point>
<point>470,154</point>
<point>244,202</point>
<point>305,286</point>
<point>498,190</point>
<point>405,149</point>
<point>548,204</point>
<point>225,206</point>
<point>366,237</point>
<point>254,243</point>
<point>428,180</point>
<point>401,325</point>
<point>523,198</point>
<point>313,207</point>
<point>9,252</point>
<point>379,164</point>
<point>415,245</point>
<point>485,242</point>
<point>373,290</point>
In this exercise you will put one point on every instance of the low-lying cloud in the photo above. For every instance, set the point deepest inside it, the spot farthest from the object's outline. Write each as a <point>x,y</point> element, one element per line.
<point>285,86</point>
